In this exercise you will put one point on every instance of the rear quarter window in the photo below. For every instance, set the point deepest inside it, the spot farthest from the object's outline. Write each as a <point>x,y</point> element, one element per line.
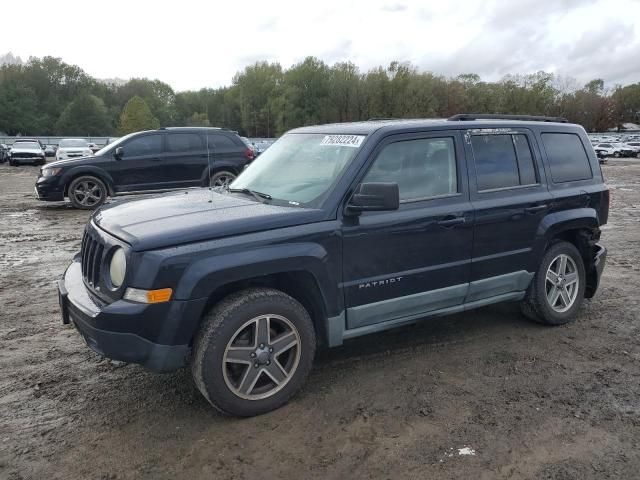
<point>568,160</point>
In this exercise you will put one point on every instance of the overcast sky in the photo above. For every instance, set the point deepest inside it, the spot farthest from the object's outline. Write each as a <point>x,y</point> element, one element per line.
<point>191,44</point>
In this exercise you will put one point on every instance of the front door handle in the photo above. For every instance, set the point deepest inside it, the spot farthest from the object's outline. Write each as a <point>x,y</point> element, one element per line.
<point>536,209</point>
<point>451,221</point>
<point>155,159</point>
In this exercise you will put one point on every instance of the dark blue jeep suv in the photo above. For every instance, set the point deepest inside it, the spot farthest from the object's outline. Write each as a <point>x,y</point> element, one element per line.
<point>338,231</point>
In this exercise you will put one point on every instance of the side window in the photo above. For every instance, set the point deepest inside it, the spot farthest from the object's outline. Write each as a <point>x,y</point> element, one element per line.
<point>221,142</point>
<point>503,161</point>
<point>422,168</point>
<point>568,159</point>
<point>184,142</point>
<point>144,145</point>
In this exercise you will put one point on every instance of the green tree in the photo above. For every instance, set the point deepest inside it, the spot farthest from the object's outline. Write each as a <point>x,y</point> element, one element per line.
<point>137,116</point>
<point>198,120</point>
<point>86,115</point>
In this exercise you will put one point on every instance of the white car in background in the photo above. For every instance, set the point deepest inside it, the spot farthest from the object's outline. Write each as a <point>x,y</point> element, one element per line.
<point>73,148</point>
<point>608,150</point>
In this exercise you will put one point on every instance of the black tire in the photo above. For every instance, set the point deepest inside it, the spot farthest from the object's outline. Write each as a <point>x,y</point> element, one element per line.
<point>13,163</point>
<point>616,154</point>
<point>96,192</point>
<point>536,305</point>
<point>222,325</point>
<point>222,178</point>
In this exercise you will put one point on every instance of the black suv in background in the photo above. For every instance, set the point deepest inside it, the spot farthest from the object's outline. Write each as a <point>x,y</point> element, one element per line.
<point>155,160</point>
<point>340,231</point>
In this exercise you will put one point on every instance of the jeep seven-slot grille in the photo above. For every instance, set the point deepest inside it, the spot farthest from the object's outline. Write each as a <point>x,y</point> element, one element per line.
<point>91,252</point>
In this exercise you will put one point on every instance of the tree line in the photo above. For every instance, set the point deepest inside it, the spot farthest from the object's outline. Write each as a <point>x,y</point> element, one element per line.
<point>50,97</point>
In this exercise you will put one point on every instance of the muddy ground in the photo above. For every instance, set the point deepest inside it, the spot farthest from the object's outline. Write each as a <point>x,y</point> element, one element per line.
<point>522,400</point>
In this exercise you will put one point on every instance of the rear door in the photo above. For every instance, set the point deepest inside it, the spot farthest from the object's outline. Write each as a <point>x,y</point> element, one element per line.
<point>186,159</point>
<point>510,198</point>
<point>140,167</point>
<point>408,262</point>
<point>227,153</point>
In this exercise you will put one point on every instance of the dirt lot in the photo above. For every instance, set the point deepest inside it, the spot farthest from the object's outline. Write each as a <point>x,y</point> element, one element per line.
<point>525,401</point>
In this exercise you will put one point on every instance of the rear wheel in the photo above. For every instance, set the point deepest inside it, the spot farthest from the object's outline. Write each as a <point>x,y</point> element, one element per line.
<point>253,352</point>
<point>87,192</point>
<point>557,289</point>
<point>222,178</point>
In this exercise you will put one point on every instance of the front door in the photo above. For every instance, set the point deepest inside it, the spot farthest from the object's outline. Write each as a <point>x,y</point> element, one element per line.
<point>405,263</point>
<point>510,198</point>
<point>141,166</point>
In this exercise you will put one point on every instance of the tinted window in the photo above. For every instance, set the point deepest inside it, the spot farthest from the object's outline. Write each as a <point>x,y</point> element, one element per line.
<point>421,168</point>
<point>184,142</point>
<point>568,159</point>
<point>145,145</point>
<point>525,160</point>
<point>221,142</point>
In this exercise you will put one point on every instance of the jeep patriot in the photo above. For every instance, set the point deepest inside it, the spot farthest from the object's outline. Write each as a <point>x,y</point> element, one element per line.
<point>339,231</point>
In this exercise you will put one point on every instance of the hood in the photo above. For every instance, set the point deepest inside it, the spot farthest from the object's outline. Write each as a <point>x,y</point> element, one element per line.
<point>26,149</point>
<point>70,162</point>
<point>194,215</point>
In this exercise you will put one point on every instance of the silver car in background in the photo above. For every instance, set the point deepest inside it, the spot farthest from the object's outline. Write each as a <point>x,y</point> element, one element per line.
<point>73,148</point>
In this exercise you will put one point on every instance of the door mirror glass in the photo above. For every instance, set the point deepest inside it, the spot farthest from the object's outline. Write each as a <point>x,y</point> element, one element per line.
<point>376,196</point>
<point>119,153</point>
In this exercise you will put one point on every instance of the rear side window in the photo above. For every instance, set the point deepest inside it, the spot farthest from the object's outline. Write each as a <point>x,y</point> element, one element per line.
<point>184,142</point>
<point>568,159</point>
<point>503,161</point>
<point>221,142</point>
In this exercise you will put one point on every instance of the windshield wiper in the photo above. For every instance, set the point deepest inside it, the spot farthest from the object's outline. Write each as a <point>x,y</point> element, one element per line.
<point>261,197</point>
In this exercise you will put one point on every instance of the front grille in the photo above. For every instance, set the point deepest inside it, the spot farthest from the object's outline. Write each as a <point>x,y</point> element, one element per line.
<point>91,252</point>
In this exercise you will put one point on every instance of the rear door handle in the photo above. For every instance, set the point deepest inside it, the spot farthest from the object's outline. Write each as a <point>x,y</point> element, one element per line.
<point>536,209</point>
<point>451,221</point>
<point>155,159</point>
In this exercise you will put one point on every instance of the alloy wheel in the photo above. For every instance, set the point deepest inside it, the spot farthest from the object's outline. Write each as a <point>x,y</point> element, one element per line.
<point>561,283</point>
<point>261,357</point>
<point>88,193</point>
<point>223,180</point>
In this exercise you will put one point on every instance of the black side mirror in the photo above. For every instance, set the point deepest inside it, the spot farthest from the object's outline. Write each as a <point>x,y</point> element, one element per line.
<point>372,197</point>
<point>119,153</point>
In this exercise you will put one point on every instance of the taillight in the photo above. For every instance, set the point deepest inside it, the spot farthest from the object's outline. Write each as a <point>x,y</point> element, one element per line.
<point>249,154</point>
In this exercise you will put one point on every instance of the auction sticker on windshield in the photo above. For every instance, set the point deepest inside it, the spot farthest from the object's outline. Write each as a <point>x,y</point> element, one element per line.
<point>343,140</point>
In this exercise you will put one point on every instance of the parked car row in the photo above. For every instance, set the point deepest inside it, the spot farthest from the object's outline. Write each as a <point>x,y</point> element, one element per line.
<point>616,145</point>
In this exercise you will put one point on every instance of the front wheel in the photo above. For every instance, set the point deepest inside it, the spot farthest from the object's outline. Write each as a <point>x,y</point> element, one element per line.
<point>557,289</point>
<point>616,154</point>
<point>87,192</point>
<point>253,352</point>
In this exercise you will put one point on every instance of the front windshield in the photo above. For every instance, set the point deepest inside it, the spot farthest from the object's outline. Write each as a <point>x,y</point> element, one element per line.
<point>73,143</point>
<point>300,168</point>
<point>25,145</point>
<point>114,143</point>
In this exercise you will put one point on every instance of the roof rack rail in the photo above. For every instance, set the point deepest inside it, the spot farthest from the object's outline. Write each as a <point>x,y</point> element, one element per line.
<point>498,116</point>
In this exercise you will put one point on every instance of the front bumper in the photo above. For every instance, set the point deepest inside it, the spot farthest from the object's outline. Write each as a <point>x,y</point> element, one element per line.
<point>154,336</point>
<point>50,189</point>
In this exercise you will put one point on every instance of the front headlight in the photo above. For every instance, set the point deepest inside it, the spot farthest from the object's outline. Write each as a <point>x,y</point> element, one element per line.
<point>118,267</point>
<point>50,172</point>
